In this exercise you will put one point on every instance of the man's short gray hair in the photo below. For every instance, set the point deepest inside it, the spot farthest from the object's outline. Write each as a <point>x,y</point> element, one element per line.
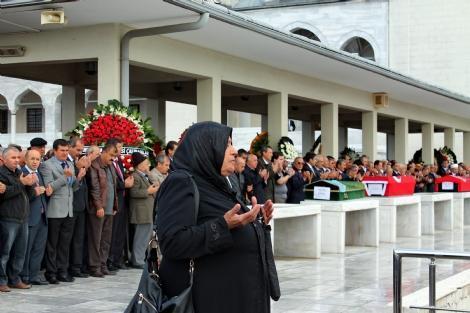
<point>161,158</point>
<point>8,150</point>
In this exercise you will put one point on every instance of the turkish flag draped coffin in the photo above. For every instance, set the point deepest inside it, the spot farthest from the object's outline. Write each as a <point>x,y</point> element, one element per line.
<point>386,186</point>
<point>452,184</point>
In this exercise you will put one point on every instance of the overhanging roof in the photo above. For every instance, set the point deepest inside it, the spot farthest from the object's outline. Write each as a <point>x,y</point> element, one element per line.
<point>236,34</point>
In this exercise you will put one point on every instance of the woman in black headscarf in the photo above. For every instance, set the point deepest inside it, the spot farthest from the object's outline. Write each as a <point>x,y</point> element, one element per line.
<point>229,245</point>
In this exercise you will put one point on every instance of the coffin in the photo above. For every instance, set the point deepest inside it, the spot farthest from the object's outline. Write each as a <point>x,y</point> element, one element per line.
<point>334,190</point>
<point>386,186</point>
<point>452,184</point>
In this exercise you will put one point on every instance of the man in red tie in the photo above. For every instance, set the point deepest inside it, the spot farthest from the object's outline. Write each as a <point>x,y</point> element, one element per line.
<point>118,250</point>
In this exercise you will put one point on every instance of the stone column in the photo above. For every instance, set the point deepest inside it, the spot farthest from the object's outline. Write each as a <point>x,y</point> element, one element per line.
<point>13,126</point>
<point>109,73</point>
<point>329,129</point>
<point>449,137</point>
<point>73,107</point>
<point>50,131</point>
<point>401,140</point>
<point>427,130</point>
<point>277,117</point>
<point>369,134</point>
<point>466,147</point>
<point>308,136</point>
<point>209,98</point>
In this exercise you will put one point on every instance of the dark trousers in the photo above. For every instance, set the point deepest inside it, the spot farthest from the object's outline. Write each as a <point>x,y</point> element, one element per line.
<point>58,245</point>
<point>99,240</point>
<point>13,244</point>
<point>37,240</point>
<point>119,236</point>
<point>77,246</point>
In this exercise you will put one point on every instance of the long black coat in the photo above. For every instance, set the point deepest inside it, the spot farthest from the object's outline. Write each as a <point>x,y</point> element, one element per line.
<point>230,270</point>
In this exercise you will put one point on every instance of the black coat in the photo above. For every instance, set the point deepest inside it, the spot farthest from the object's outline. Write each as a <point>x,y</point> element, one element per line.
<point>230,273</point>
<point>14,202</point>
<point>253,178</point>
<point>295,188</point>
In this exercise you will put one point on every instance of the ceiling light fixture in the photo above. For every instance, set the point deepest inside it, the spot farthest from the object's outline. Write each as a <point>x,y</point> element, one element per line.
<point>12,51</point>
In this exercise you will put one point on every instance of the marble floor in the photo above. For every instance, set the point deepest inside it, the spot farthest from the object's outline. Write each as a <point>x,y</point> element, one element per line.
<point>358,281</point>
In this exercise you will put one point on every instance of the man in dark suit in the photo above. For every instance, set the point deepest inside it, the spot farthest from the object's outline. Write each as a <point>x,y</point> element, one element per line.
<point>170,150</point>
<point>237,179</point>
<point>254,182</point>
<point>266,165</point>
<point>295,184</point>
<point>80,204</point>
<point>121,219</point>
<point>37,222</point>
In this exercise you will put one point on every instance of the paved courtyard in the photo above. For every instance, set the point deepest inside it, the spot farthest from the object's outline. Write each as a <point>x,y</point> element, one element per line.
<point>358,281</point>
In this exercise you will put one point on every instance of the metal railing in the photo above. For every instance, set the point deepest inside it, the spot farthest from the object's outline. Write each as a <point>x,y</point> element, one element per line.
<point>399,254</point>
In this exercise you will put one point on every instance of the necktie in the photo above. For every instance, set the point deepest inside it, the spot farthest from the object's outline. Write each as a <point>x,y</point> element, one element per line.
<point>64,166</point>
<point>118,170</point>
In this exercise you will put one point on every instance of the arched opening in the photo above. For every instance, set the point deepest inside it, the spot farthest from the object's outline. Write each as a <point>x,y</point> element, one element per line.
<point>4,115</point>
<point>360,47</point>
<point>305,33</point>
<point>30,113</point>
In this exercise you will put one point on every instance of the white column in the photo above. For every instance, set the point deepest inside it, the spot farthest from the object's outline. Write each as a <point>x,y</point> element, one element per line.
<point>343,137</point>
<point>109,73</point>
<point>161,119</point>
<point>369,134</point>
<point>50,131</point>
<point>466,147</point>
<point>427,130</point>
<point>209,96</point>
<point>449,137</point>
<point>277,117</point>
<point>401,140</point>
<point>13,126</point>
<point>329,129</point>
<point>73,106</point>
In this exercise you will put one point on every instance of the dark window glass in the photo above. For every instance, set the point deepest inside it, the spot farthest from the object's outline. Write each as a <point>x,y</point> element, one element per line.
<point>306,33</point>
<point>3,121</point>
<point>360,47</point>
<point>34,120</point>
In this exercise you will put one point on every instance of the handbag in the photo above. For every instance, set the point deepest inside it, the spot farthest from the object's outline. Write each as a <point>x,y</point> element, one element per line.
<point>149,297</point>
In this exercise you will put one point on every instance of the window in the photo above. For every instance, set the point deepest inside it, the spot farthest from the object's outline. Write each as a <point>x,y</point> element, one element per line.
<point>361,47</point>
<point>34,120</point>
<point>3,121</point>
<point>306,33</point>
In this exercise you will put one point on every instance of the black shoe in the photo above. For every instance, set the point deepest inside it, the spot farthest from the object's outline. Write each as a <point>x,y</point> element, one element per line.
<point>79,275</point>
<point>39,282</point>
<point>106,271</point>
<point>136,266</point>
<point>52,280</point>
<point>65,278</point>
<point>96,274</point>
<point>122,266</point>
<point>112,268</point>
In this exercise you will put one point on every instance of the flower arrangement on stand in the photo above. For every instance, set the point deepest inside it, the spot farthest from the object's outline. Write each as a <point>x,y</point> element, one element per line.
<point>439,156</point>
<point>287,148</point>
<point>115,120</point>
<point>350,152</point>
<point>258,142</point>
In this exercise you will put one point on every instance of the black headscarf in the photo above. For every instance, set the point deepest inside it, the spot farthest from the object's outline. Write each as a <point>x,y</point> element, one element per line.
<point>201,152</point>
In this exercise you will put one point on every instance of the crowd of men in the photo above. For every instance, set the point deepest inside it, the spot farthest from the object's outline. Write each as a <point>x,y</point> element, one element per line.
<point>77,213</point>
<point>74,213</point>
<point>271,176</point>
